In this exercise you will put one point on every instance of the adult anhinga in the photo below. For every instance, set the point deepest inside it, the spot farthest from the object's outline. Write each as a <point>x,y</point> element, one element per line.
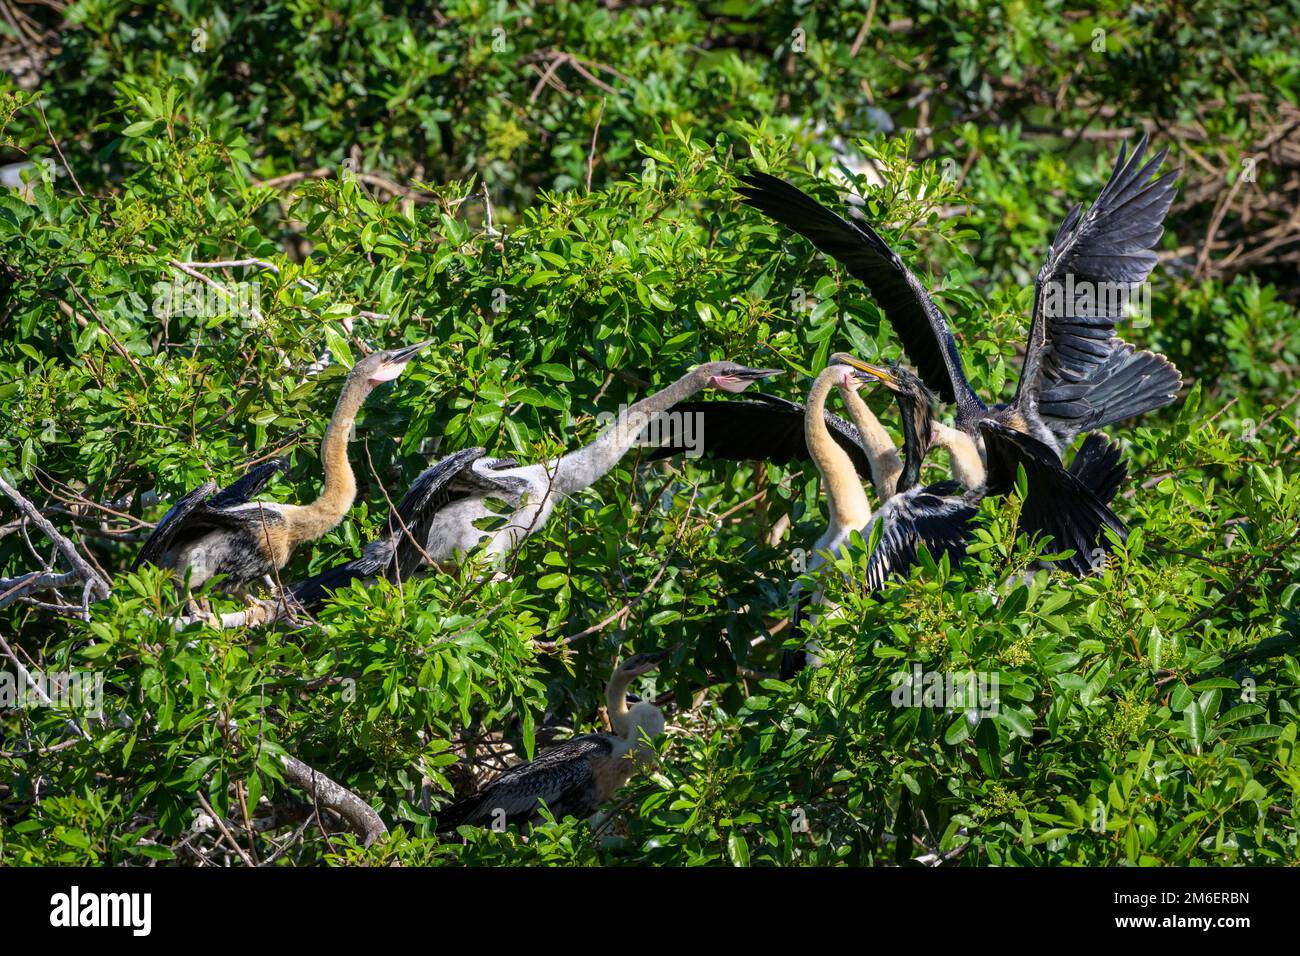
<point>210,532</point>
<point>439,518</point>
<point>1077,374</point>
<point>573,778</point>
<point>1069,505</point>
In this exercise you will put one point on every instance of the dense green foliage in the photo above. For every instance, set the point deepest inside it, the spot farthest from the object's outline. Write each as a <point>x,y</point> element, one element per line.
<point>547,191</point>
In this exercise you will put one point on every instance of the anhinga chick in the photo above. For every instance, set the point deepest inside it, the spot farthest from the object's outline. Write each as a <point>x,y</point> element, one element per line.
<point>210,532</point>
<point>573,778</point>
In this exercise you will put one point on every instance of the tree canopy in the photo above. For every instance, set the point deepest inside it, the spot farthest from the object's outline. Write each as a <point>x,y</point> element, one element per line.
<point>224,206</point>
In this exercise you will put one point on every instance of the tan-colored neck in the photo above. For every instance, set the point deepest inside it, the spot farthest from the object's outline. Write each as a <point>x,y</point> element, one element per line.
<point>311,521</point>
<point>886,466</point>
<point>845,496</point>
<point>616,702</point>
<point>967,466</point>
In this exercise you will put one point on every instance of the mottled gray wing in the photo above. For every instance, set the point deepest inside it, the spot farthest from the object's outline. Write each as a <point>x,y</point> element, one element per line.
<point>562,776</point>
<point>430,492</point>
<point>932,516</point>
<point>1076,372</point>
<point>761,428</point>
<point>917,321</point>
<point>164,533</point>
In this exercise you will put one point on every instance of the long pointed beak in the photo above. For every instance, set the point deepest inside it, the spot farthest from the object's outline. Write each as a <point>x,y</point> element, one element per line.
<point>760,373</point>
<point>408,353</point>
<point>866,368</point>
<point>656,657</point>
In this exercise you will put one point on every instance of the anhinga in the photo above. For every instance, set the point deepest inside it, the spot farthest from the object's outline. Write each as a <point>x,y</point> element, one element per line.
<point>779,431</point>
<point>439,517</point>
<point>210,532</point>
<point>1077,374</point>
<point>573,778</point>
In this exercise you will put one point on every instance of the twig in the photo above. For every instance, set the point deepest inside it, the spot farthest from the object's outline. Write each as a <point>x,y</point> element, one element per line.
<point>591,153</point>
<point>225,831</point>
<point>98,586</point>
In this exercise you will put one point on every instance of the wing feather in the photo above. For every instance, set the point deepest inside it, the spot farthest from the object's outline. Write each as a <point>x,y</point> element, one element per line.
<point>917,321</point>
<point>1057,504</point>
<point>762,428</point>
<point>1112,243</point>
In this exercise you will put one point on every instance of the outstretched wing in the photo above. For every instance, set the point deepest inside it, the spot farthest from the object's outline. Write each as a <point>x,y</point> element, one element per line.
<point>917,321</point>
<point>205,509</point>
<point>431,491</point>
<point>562,776</point>
<point>243,490</point>
<point>762,428</point>
<point>1077,373</point>
<point>164,533</point>
<point>311,592</point>
<point>1057,503</point>
<point>932,516</point>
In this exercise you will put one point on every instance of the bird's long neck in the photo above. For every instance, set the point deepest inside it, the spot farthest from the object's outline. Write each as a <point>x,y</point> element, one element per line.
<point>881,453</point>
<point>616,703</point>
<point>916,438</point>
<point>311,521</point>
<point>584,467</point>
<point>967,465</point>
<point>845,496</point>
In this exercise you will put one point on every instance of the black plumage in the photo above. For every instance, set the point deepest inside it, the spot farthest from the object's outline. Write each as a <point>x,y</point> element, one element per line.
<point>395,554</point>
<point>1077,375</point>
<point>563,776</point>
<point>761,428</point>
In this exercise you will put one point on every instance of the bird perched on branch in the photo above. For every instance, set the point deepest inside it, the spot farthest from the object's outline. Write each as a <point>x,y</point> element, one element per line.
<point>210,532</point>
<point>573,778</point>
<point>441,518</point>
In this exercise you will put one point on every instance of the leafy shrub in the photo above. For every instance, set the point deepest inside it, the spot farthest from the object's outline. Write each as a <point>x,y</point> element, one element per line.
<point>547,191</point>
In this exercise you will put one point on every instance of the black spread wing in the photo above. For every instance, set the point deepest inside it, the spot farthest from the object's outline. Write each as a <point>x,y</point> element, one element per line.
<point>311,592</point>
<point>917,321</point>
<point>1099,464</point>
<point>1057,503</point>
<point>165,532</point>
<point>562,776</point>
<point>1076,371</point>
<point>429,492</point>
<point>244,490</point>
<point>762,428</point>
<point>934,516</point>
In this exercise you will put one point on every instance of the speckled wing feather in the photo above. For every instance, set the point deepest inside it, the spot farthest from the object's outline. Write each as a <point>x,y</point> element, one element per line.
<point>563,776</point>
<point>935,516</point>
<point>165,532</point>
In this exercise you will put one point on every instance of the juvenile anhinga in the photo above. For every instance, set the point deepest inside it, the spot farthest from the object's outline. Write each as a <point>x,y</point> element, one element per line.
<point>439,517</point>
<point>573,778</point>
<point>779,431</point>
<point>1077,374</point>
<point>210,532</point>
